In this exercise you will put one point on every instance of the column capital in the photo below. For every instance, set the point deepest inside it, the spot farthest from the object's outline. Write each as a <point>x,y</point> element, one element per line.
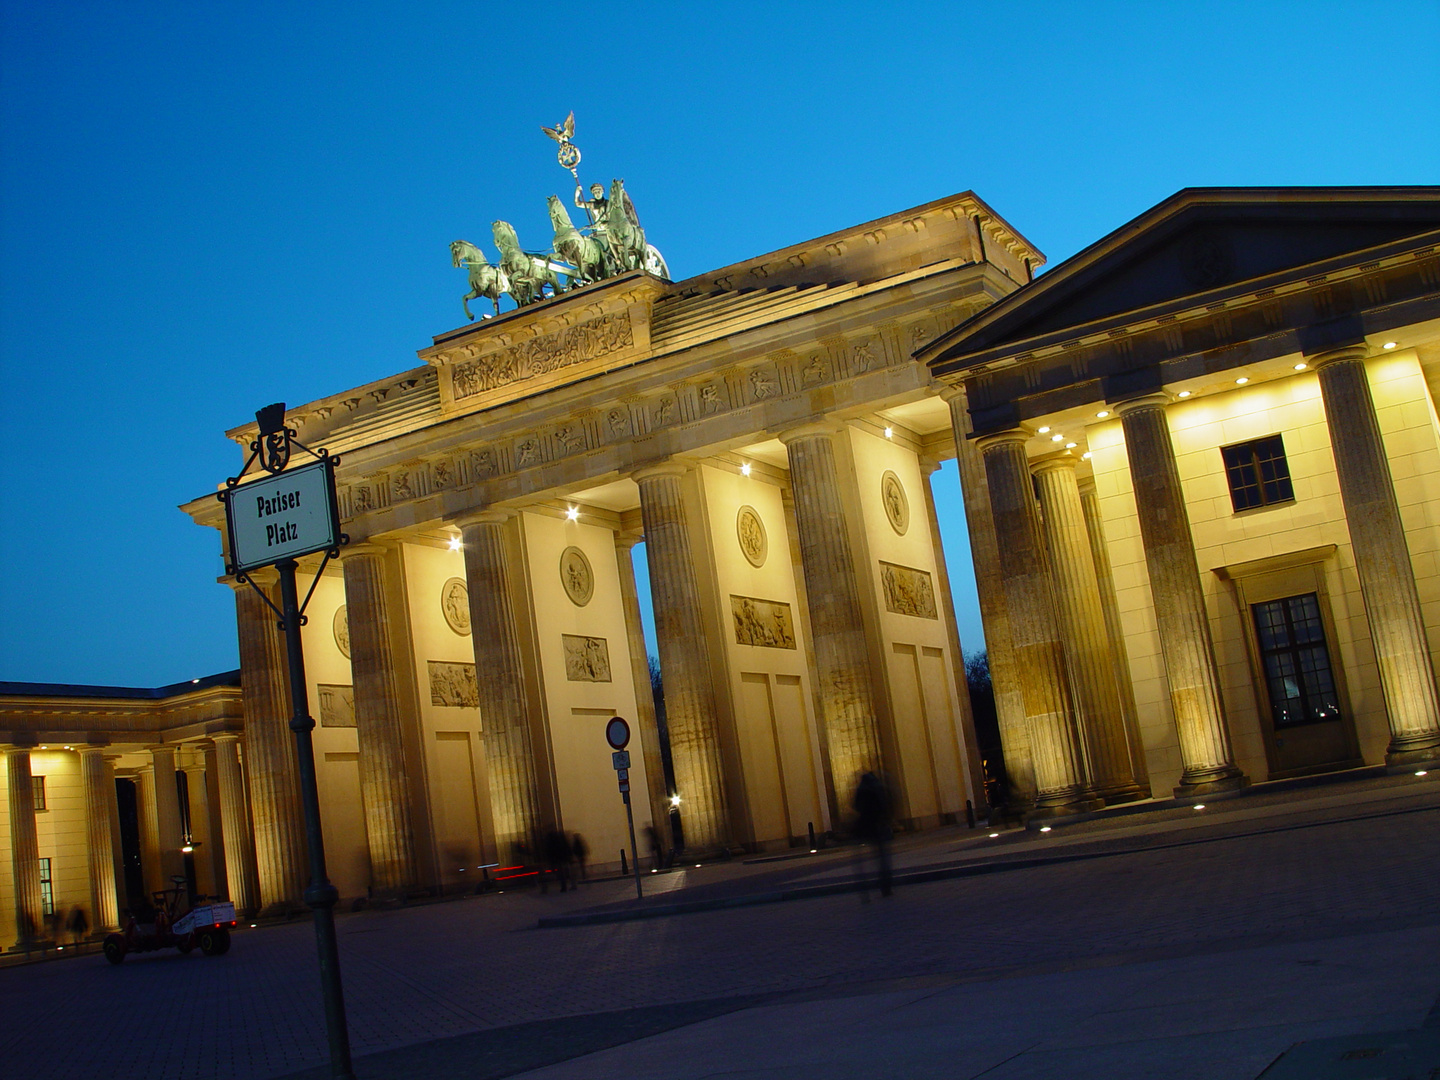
<point>488,516</point>
<point>354,551</point>
<point>668,467</point>
<point>1144,401</point>
<point>949,391</point>
<point>225,736</point>
<point>1319,360</point>
<point>999,438</point>
<point>626,539</point>
<point>1057,459</point>
<point>827,428</point>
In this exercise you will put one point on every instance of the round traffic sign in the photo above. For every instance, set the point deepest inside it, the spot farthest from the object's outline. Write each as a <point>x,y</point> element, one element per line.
<point>617,733</point>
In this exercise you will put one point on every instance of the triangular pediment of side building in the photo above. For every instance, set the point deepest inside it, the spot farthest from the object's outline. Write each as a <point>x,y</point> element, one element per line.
<point>1198,242</point>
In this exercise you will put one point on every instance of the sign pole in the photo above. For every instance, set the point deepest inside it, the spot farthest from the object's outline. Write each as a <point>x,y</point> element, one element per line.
<point>634,855</point>
<point>321,895</point>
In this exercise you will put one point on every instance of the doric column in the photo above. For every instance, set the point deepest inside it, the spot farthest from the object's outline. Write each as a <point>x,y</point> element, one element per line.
<point>645,717</point>
<point>1180,615</point>
<point>239,841</point>
<point>690,712</point>
<point>205,825</point>
<point>1082,626</point>
<point>152,867</point>
<point>100,811</point>
<point>281,854</point>
<point>506,724</point>
<point>969,748</point>
<point>1035,634</point>
<point>832,589</point>
<point>168,825</point>
<point>384,781</point>
<point>1382,558</point>
<point>1115,631</point>
<point>24,848</point>
<point>990,589</point>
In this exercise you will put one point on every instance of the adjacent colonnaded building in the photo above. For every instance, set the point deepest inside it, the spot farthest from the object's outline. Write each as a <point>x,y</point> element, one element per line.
<point>1201,471</point>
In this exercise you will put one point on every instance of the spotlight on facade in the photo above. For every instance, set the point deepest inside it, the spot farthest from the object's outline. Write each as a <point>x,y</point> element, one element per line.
<point>1044,828</point>
<point>1183,393</point>
<point>889,433</point>
<point>1085,456</point>
<point>1301,366</point>
<point>1389,344</point>
<point>674,802</point>
<point>454,543</point>
<point>188,849</point>
<point>573,514</point>
<point>1242,380</point>
<point>745,469</point>
<point>993,835</point>
<point>1044,430</point>
<point>1069,446</point>
<point>1102,414</point>
<point>1056,438</point>
<point>1199,806</point>
<point>44,748</point>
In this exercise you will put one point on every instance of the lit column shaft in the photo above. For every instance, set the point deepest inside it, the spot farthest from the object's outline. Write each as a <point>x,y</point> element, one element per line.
<point>100,811</point>
<point>1382,558</point>
<point>990,589</point>
<point>24,848</point>
<point>169,830</point>
<point>1180,615</point>
<point>240,875</point>
<point>384,778</point>
<point>690,711</point>
<point>1035,634</point>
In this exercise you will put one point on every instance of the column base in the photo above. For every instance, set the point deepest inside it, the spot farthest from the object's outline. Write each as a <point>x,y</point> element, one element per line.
<point>1230,781</point>
<point>1124,793</point>
<point>1406,753</point>
<point>1080,803</point>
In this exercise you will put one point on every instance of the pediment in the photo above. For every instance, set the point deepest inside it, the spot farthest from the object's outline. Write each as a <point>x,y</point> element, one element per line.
<point>1197,242</point>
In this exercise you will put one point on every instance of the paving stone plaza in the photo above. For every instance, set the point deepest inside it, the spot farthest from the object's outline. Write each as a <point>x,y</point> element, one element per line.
<point>1168,943</point>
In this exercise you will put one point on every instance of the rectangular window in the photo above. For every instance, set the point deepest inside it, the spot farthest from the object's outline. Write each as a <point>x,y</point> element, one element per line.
<point>38,783</point>
<point>1297,663</point>
<point>1258,473</point>
<point>47,891</point>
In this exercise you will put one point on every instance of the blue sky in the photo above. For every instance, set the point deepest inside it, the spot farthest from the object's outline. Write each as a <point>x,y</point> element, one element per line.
<point>205,208</point>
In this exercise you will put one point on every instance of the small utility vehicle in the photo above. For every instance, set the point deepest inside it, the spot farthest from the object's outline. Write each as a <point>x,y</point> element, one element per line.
<point>205,925</point>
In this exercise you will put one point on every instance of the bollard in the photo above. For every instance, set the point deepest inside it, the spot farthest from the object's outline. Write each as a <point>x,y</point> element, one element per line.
<point>624,866</point>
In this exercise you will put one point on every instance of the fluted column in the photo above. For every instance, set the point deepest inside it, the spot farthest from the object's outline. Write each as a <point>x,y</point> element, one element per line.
<point>24,848</point>
<point>152,867</point>
<point>384,779</point>
<point>990,589</point>
<point>1115,631</point>
<point>1082,626</point>
<point>100,811</point>
<point>1180,615</point>
<point>168,823</point>
<point>213,853</point>
<point>832,589</point>
<point>1035,633</point>
<point>969,745</point>
<point>281,854</point>
<point>506,724</point>
<point>1382,558</point>
<point>645,717</point>
<point>690,711</point>
<point>240,874</point>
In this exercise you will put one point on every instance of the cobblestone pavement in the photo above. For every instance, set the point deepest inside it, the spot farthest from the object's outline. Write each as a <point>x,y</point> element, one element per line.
<point>1337,893</point>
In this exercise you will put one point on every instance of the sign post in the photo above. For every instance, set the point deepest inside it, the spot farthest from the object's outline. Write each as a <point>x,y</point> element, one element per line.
<point>617,734</point>
<point>272,522</point>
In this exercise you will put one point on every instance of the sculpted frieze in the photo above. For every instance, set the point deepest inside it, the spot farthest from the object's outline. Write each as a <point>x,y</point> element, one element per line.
<point>542,355</point>
<point>908,591</point>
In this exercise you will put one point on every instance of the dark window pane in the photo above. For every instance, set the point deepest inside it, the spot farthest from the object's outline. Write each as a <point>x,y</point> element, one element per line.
<point>1298,677</point>
<point>1258,473</point>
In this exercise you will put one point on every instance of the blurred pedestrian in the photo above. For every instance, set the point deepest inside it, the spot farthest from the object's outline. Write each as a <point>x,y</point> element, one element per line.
<point>657,853</point>
<point>557,852</point>
<point>581,850</point>
<point>872,805</point>
<point>78,925</point>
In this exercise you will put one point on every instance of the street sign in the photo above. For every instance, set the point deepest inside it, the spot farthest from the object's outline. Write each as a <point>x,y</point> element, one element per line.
<point>622,775</point>
<point>617,733</point>
<point>620,759</point>
<point>282,516</point>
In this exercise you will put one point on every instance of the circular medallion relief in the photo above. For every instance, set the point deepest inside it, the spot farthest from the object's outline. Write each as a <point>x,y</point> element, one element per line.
<point>340,625</point>
<point>897,507</point>
<point>455,603</point>
<point>750,531</point>
<point>576,576</point>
